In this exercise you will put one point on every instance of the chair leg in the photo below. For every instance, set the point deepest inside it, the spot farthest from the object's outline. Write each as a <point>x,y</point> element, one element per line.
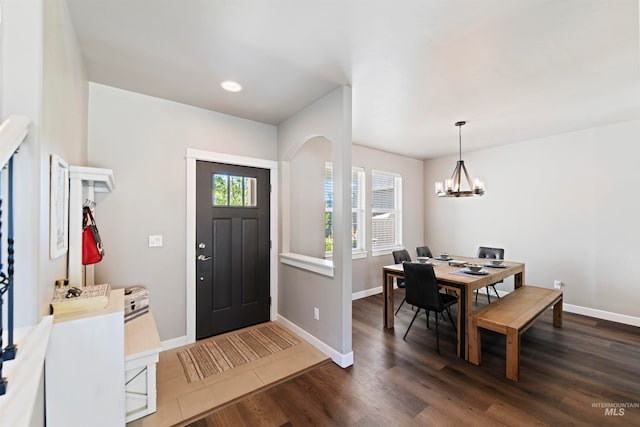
<point>486,288</point>
<point>495,290</point>
<point>403,300</point>
<point>451,319</point>
<point>411,324</point>
<point>427,319</point>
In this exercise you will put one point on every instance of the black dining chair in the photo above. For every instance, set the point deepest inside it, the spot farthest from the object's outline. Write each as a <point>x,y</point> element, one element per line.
<point>399,257</point>
<point>422,291</point>
<point>486,252</point>
<point>424,251</point>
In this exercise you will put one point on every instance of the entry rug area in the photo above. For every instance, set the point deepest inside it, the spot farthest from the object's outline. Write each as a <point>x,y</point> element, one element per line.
<point>223,353</point>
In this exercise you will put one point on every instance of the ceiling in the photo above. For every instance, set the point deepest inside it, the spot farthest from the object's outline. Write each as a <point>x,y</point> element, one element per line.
<point>513,69</point>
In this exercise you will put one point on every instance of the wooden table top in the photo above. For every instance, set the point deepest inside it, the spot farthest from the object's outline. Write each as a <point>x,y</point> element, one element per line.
<point>451,274</point>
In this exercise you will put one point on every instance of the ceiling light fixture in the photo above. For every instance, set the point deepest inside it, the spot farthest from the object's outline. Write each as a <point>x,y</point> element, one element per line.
<point>452,187</point>
<point>231,86</point>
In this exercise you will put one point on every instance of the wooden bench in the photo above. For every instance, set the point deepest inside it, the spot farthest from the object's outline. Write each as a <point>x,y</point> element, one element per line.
<point>511,316</point>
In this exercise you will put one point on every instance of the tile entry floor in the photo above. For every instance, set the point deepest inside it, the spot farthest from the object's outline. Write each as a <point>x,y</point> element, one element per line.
<point>179,401</point>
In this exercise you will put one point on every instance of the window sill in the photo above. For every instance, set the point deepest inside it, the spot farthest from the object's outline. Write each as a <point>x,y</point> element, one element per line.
<point>305,262</point>
<point>385,251</point>
<point>356,254</point>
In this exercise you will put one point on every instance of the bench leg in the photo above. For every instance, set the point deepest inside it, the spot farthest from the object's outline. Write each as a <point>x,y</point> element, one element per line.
<point>475,352</point>
<point>557,314</point>
<point>513,353</point>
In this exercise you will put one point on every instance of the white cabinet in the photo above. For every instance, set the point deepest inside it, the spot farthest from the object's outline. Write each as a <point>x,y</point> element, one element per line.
<point>142,346</point>
<point>84,368</point>
<point>101,371</point>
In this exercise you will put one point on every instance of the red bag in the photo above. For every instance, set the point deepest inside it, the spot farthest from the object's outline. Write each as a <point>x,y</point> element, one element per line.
<point>92,250</point>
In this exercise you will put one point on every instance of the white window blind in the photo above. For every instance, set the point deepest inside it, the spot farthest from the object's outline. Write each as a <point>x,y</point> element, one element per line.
<point>386,210</point>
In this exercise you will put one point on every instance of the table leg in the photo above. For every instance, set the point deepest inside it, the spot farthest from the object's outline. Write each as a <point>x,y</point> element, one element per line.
<point>557,314</point>
<point>475,352</point>
<point>518,279</point>
<point>513,353</point>
<point>387,297</point>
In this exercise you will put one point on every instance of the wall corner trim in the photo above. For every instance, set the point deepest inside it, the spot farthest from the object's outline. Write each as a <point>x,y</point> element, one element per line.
<point>340,359</point>
<point>173,343</point>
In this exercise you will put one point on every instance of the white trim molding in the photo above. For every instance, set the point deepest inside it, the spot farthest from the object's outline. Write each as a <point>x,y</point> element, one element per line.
<point>173,343</point>
<point>193,155</point>
<point>569,308</point>
<point>601,314</point>
<point>340,359</point>
<point>309,263</point>
<point>367,293</point>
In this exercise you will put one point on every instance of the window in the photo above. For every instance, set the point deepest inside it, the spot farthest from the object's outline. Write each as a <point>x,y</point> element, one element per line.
<point>386,210</point>
<point>357,209</point>
<point>233,190</point>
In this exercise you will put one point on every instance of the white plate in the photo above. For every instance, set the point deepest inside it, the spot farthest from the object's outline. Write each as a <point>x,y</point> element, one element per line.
<point>477,273</point>
<point>494,266</point>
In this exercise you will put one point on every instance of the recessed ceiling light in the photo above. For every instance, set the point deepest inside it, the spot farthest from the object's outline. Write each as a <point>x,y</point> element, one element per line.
<point>231,86</point>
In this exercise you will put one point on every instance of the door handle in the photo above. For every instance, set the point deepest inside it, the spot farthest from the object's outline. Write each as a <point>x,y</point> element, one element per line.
<point>203,258</point>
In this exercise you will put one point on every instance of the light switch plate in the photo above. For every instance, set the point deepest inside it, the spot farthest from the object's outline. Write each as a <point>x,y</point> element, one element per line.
<point>155,241</point>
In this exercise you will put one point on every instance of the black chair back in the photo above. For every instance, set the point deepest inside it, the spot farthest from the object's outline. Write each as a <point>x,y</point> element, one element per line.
<point>487,252</point>
<point>422,286</point>
<point>401,256</point>
<point>424,251</point>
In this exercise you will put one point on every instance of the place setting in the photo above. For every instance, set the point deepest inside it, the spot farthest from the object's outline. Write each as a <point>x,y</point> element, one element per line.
<point>474,269</point>
<point>494,263</point>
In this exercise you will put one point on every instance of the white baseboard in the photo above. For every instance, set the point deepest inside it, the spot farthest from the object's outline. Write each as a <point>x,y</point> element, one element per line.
<point>173,343</point>
<point>569,308</point>
<point>366,293</point>
<point>342,360</point>
<point>601,314</point>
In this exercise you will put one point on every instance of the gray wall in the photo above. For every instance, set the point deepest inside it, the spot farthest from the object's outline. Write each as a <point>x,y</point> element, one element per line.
<point>367,271</point>
<point>564,205</point>
<point>300,290</point>
<point>307,169</point>
<point>144,140</point>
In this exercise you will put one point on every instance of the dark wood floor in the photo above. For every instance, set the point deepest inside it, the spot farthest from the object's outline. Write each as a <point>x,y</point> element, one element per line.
<point>564,374</point>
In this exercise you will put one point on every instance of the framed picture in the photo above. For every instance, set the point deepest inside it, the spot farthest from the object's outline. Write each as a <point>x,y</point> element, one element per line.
<point>59,208</point>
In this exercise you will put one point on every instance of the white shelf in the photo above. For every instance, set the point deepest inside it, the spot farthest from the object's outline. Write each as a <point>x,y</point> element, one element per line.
<point>102,180</point>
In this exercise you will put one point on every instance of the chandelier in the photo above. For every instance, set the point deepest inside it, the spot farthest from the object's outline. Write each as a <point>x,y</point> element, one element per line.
<point>453,187</point>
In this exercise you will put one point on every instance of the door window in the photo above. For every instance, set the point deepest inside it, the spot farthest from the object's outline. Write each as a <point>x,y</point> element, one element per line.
<point>234,190</point>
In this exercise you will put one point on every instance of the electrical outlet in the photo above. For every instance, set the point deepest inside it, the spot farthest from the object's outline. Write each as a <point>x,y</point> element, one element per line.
<point>557,284</point>
<point>316,313</point>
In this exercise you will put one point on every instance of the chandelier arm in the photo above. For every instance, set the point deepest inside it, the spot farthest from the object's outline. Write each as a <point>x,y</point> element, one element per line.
<point>464,168</point>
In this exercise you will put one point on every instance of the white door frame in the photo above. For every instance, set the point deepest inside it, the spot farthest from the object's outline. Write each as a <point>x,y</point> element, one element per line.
<point>192,156</point>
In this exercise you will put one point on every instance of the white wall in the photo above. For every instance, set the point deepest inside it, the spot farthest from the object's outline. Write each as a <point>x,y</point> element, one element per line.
<point>144,140</point>
<point>64,120</point>
<point>565,205</point>
<point>43,78</point>
<point>367,272</point>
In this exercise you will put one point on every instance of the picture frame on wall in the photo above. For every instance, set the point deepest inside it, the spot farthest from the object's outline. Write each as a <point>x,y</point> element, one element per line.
<point>59,207</point>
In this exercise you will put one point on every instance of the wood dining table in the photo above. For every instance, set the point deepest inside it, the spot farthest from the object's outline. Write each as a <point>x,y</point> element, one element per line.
<point>453,277</point>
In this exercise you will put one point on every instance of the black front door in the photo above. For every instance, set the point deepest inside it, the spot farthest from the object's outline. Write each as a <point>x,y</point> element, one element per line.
<point>233,244</point>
